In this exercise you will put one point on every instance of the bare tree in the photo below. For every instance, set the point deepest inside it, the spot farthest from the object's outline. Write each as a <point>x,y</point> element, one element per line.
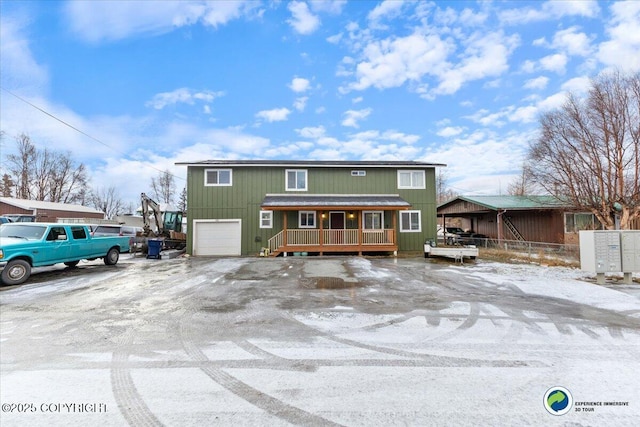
<point>41,173</point>
<point>588,151</point>
<point>6,186</point>
<point>182,203</point>
<point>523,185</point>
<point>108,201</point>
<point>67,180</point>
<point>163,186</point>
<point>21,166</point>
<point>45,174</point>
<point>442,192</point>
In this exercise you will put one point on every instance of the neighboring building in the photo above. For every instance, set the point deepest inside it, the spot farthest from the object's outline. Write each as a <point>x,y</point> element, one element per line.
<point>46,211</point>
<point>241,207</point>
<point>529,218</point>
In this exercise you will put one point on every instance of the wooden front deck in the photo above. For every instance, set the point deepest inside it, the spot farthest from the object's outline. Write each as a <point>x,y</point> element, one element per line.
<point>336,240</point>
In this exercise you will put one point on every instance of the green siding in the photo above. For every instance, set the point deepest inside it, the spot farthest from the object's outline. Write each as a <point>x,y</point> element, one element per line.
<point>250,185</point>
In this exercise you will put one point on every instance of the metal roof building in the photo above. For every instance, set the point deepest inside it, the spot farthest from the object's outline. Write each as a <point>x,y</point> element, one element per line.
<point>47,211</point>
<point>528,218</point>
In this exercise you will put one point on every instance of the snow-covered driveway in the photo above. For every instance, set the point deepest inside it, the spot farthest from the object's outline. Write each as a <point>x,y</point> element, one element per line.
<point>316,341</point>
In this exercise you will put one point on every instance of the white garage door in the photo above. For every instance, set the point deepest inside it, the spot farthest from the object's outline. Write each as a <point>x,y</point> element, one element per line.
<point>217,237</point>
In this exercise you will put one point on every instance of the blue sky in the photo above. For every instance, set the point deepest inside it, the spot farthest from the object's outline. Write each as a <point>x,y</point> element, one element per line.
<point>460,83</point>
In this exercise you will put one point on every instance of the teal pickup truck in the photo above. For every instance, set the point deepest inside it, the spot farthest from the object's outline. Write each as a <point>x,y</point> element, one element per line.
<point>27,245</point>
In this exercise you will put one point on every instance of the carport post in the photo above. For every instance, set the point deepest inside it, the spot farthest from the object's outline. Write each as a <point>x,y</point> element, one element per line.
<point>499,224</point>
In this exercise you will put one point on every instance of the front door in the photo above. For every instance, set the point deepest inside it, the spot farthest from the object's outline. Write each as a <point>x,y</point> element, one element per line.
<point>336,220</point>
<point>336,224</point>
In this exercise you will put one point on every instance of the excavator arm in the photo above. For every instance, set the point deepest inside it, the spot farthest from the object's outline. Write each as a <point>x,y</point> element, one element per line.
<point>150,207</point>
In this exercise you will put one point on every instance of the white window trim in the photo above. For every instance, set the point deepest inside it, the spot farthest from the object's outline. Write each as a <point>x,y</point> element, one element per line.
<point>412,186</point>
<point>270,219</point>
<point>419,230</point>
<point>206,171</point>
<point>364,213</point>
<point>315,219</point>
<point>286,180</point>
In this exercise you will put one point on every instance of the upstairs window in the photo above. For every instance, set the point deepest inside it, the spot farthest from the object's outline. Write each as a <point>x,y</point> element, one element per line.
<point>296,179</point>
<point>411,179</point>
<point>217,177</point>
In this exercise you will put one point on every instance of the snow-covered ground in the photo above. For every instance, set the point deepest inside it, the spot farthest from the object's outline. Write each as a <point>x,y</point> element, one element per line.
<point>262,342</point>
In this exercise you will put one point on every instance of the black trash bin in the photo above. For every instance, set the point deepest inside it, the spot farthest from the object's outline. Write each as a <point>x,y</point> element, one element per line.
<point>155,246</point>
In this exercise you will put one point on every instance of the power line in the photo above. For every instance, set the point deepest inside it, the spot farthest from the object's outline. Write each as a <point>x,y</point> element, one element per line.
<point>80,131</point>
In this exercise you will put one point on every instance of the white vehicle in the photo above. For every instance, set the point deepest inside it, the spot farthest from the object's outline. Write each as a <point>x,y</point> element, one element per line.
<point>448,235</point>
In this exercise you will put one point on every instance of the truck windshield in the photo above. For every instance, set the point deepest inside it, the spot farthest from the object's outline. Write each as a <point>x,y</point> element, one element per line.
<point>22,231</point>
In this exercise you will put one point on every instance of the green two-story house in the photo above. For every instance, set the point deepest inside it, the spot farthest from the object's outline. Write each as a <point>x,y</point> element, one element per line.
<point>245,207</point>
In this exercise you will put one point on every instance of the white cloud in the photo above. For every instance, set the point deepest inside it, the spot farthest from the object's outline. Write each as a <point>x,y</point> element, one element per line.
<point>537,84</point>
<point>486,55</point>
<point>300,103</point>
<point>552,102</point>
<point>388,9</point>
<point>450,131</point>
<point>97,21</point>
<point>181,96</point>
<point>19,68</point>
<point>298,84</point>
<point>352,117</point>
<point>391,62</point>
<point>400,137</point>
<point>302,20</point>
<point>335,39</point>
<point>555,63</point>
<point>275,115</point>
<point>526,114</point>
<point>572,42</point>
<point>312,132</point>
<point>469,18</point>
<point>485,118</point>
<point>577,85</point>
<point>478,162</point>
<point>333,7</point>
<point>550,10</point>
<point>622,50</point>
<point>528,66</point>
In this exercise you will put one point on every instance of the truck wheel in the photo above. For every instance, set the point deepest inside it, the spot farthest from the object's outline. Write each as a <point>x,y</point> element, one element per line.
<point>71,263</point>
<point>17,271</point>
<point>112,256</point>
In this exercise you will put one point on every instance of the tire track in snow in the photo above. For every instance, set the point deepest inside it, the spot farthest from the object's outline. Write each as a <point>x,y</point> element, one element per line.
<point>427,360</point>
<point>131,404</point>
<point>255,397</point>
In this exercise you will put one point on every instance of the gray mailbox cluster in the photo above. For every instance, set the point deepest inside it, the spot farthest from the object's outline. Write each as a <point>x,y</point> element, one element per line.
<point>610,251</point>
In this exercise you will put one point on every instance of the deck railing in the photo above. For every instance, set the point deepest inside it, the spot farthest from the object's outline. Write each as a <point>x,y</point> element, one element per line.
<point>339,237</point>
<point>302,237</point>
<point>276,241</point>
<point>377,237</point>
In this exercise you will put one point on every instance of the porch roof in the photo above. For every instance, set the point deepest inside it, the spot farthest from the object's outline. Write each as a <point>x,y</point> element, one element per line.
<point>334,201</point>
